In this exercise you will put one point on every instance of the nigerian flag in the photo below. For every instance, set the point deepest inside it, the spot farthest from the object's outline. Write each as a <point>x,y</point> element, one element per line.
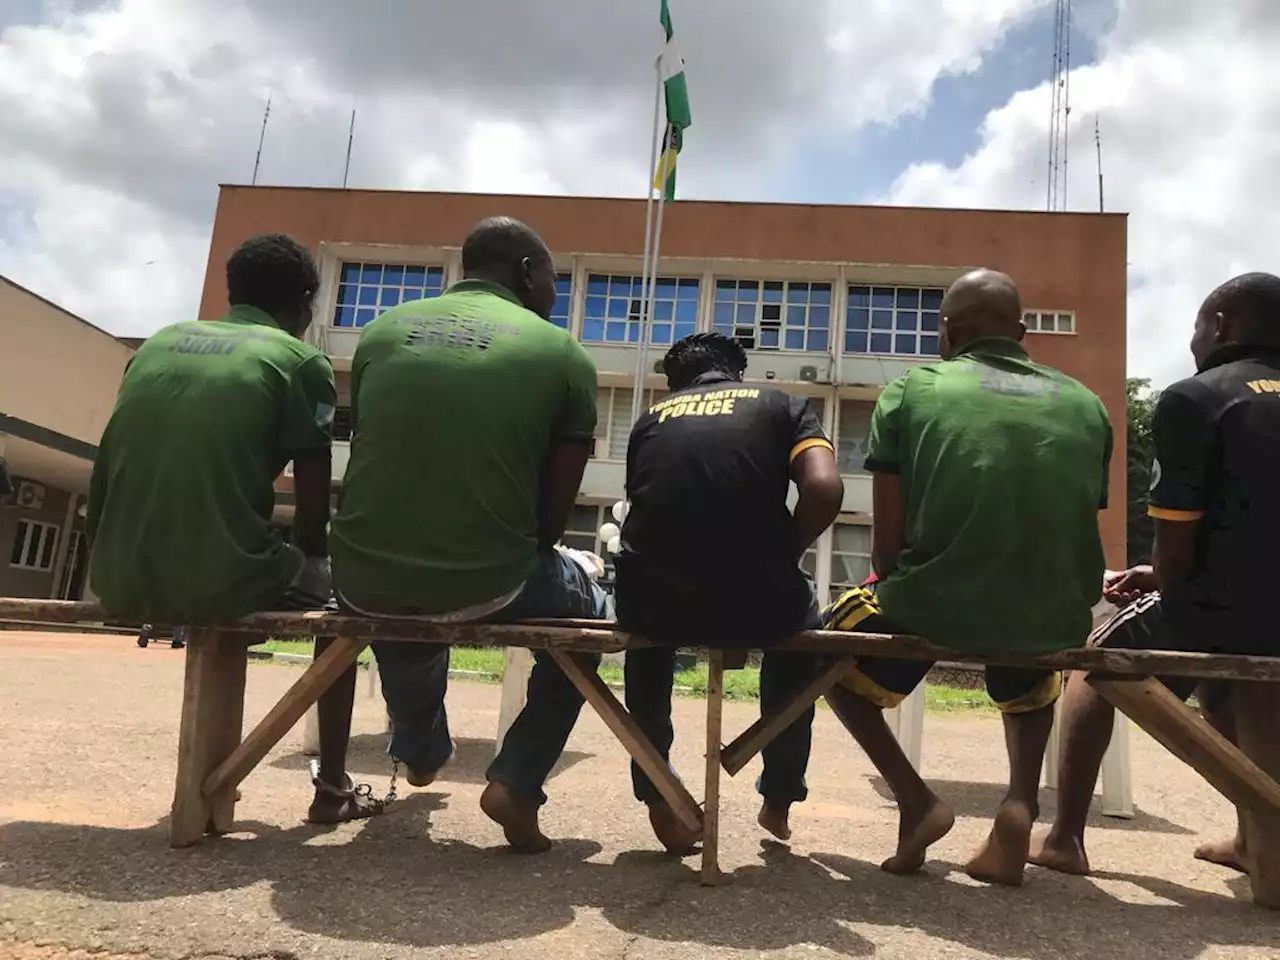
<point>676,92</point>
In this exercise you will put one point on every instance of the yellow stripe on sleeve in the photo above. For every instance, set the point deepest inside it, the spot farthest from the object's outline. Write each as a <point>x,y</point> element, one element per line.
<point>809,444</point>
<point>1160,513</point>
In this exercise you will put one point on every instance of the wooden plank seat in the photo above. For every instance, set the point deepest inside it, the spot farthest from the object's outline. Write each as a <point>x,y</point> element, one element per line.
<point>213,758</point>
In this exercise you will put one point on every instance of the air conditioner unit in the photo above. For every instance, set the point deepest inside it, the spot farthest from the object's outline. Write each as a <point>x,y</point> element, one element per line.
<point>657,366</point>
<point>30,495</point>
<point>809,374</point>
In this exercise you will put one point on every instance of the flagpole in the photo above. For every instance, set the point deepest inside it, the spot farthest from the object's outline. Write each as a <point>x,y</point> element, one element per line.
<point>646,323</point>
<point>637,400</point>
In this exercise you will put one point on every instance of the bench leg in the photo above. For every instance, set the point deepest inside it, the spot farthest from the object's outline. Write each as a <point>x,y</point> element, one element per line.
<point>315,680</point>
<point>711,808</point>
<point>1190,738</point>
<point>623,726</point>
<point>1257,716</point>
<point>311,733</point>
<point>761,733</point>
<point>1117,777</point>
<point>517,666</point>
<point>212,718</point>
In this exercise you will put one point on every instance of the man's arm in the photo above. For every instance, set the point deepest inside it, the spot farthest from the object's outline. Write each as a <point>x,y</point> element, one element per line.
<point>888,500</point>
<point>888,523</point>
<point>571,442</point>
<point>814,472</point>
<point>308,441</point>
<point>1183,434</point>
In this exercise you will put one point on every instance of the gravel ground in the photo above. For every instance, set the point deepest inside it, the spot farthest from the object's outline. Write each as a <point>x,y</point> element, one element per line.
<point>88,727</point>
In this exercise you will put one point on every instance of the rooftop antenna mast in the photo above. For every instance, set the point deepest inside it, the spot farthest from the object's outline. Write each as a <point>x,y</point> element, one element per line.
<point>1097,142</point>
<point>262,136</point>
<point>351,138</point>
<point>1060,107</point>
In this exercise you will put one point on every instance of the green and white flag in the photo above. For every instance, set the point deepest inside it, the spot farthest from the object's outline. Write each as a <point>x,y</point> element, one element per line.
<point>676,92</point>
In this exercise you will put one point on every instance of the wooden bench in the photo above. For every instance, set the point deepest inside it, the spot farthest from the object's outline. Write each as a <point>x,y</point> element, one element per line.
<point>214,758</point>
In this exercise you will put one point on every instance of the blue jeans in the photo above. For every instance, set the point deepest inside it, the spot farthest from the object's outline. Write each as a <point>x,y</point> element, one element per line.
<point>416,675</point>
<point>558,588</point>
<point>649,676</point>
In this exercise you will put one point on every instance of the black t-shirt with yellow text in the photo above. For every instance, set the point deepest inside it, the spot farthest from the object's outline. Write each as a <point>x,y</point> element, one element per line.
<point>710,553</point>
<point>1217,441</point>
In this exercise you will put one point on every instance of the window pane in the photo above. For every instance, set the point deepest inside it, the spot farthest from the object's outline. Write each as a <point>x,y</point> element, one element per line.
<point>368,296</point>
<point>929,345</point>
<point>597,286</point>
<point>687,311</point>
<point>882,297</point>
<point>723,314</point>
<point>796,316</point>
<point>592,330</point>
<point>415,276</point>
<point>619,307</point>
<point>908,298</point>
<point>905,343</point>
<point>726,289</point>
<point>818,341</point>
<point>768,339</point>
<point>746,314</point>
<point>795,339</point>
<point>684,330</point>
<point>1065,323</point>
<point>371,273</point>
<point>19,542</point>
<point>350,273</point>
<point>661,333</point>
<point>859,296</point>
<point>390,297</point>
<point>345,317</point>
<point>688,290</point>
<point>907,320</point>
<point>364,315</point>
<point>392,276</point>
<point>852,429</point>
<point>859,318</point>
<point>615,332</point>
<point>346,293</point>
<point>931,299</point>
<point>46,552</point>
<point>929,321</point>
<point>748,291</point>
<point>881,342</point>
<point>594,307</point>
<point>664,310</point>
<point>798,293</point>
<point>773,291</point>
<point>851,538</point>
<point>882,319</point>
<point>32,554</point>
<point>855,342</point>
<point>820,293</point>
<point>819,317</point>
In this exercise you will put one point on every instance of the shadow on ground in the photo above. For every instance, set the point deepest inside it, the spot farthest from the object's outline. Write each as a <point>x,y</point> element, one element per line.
<point>392,884</point>
<point>367,760</point>
<point>980,800</point>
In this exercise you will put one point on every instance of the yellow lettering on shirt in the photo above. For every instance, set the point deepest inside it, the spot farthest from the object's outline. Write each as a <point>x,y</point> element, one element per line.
<point>679,409</point>
<point>713,408</point>
<point>1264,386</point>
<point>726,408</point>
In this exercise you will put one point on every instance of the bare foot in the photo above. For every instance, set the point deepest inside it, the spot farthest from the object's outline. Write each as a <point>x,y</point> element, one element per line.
<point>671,832</point>
<point>1003,858</point>
<point>1063,854</point>
<point>774,818</point>
<point>517,817</point>
<point>1225,853</point>
<point>916,832</point>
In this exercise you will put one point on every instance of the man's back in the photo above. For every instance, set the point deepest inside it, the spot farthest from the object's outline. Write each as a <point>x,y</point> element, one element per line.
<point>1219,458</point>
<point>709,540</point>
<point>180,507</point>
<point>1003,465</point>
<point>455,404</point>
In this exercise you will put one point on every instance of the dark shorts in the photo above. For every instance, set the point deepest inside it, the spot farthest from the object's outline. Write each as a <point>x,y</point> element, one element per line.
<point>886,682</point>
<point>1143,625</point>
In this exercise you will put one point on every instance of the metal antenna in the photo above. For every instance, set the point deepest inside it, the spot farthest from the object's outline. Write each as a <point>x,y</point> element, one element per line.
<point>261,137</point>
<point>351,136</point>
<point>1059,107</point>
<point>1097,142</point>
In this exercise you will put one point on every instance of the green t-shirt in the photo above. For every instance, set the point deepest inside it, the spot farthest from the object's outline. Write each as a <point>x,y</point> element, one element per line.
<point>456,401</point>
<point>179,517</point>
<point>1003,464</point>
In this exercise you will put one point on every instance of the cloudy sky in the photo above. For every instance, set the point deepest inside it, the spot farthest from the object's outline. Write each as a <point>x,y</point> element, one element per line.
<point>118,118</point>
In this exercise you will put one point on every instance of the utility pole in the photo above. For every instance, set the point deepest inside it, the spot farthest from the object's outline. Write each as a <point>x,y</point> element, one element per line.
<point>262,136</point>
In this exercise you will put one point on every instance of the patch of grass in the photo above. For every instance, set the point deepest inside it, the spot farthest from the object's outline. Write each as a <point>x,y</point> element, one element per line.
<point>484,664</point>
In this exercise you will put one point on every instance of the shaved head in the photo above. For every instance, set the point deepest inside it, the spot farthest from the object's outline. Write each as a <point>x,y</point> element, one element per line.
<point>982,303</point>
<point>504,251</point>
<point>1244,310</point>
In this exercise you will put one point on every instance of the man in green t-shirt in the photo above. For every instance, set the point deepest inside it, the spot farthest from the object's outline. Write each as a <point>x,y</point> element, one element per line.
<point>988,473</point>
<point>180,503</point>
<point>472,421</point>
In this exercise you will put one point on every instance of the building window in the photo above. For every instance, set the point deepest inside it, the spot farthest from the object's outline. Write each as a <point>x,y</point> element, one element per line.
<point>342,424</point>
<point>850,557</point>
<point>774,314</point>
<point>564,298</point>
<point>33,546</point>
<point>614,309</point>
<point>613,420</point>
<point>1049,321</point>
<point>852,430</point>
<point>899,321</point>
<point>367,289</point>
<point>583,533</point>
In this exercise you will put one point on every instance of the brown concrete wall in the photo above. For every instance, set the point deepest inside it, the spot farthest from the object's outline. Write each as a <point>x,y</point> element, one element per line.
<point>1060,261</point>
<point>56,370</point>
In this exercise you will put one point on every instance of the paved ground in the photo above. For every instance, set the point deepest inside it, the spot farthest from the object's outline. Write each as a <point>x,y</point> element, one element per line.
<point>87,737</point>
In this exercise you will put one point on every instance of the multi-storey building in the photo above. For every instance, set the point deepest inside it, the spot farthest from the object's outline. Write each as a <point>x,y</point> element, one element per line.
<point>831,302</point>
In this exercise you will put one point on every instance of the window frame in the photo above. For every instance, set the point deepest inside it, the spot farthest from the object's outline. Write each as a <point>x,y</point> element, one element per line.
<point>875,313</point>
<point>604,440</point>
<point>565,276</point>
<point>23,531</point>
<point>1057,315</point>
<point>839,439</point>
<point>782,325</point>
<point>432,271</point>
<point>632,321</point>
<point>836,587</point>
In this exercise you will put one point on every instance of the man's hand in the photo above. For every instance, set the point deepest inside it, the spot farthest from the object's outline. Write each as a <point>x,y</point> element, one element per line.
<point>1122,587</point>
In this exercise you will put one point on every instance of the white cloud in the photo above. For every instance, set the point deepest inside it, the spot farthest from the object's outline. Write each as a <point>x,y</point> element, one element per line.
<point>119,119</point>
<point>1189,109</point>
